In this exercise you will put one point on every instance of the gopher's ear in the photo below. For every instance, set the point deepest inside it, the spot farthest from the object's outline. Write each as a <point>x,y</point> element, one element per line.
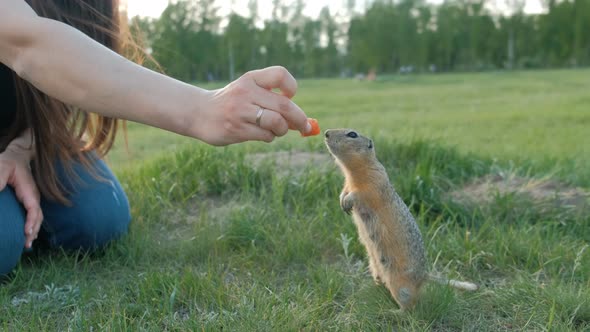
<point>370,144</point>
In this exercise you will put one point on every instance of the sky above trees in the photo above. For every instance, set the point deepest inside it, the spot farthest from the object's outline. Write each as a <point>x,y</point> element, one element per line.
<point>153,8</point>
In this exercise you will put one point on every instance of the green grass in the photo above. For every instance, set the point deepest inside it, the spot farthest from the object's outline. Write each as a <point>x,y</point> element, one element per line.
<point>219,244</point>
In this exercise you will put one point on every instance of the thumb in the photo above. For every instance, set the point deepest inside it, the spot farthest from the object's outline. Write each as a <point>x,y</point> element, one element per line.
<point>28,194</point>
<point>26,191</point>
<point>4,176</point>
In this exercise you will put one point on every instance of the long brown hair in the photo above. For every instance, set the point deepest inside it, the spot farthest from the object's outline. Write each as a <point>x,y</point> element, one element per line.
<point>61,132</point>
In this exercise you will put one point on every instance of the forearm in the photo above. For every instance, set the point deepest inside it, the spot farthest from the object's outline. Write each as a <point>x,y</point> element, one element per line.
<point>69,66</point>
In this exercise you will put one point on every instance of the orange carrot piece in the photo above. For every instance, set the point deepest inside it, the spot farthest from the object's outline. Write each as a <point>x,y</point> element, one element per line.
<point>315,128</point>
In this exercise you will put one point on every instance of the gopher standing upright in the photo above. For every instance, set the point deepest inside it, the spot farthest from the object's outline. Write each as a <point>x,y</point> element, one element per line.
<point>385,225</point>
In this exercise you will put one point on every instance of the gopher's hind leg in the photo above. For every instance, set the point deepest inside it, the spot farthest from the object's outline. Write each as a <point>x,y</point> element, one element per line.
<point>374,268</point>
<point>405,294</point>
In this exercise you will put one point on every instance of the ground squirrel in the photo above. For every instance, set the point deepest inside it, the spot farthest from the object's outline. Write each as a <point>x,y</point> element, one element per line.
<point>385,225</point>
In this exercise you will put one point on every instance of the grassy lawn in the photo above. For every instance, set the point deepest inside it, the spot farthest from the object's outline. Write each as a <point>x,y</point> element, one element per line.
<point>222,241</point>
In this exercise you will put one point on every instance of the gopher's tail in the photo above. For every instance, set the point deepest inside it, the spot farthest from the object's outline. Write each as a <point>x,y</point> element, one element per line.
<point>462,285</point>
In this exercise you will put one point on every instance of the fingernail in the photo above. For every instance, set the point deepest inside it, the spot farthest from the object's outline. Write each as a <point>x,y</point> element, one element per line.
<point>30,231</point>
<point>308,127</point>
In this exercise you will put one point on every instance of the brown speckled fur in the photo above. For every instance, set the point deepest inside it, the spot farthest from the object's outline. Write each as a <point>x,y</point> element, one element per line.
<point>385,225</point>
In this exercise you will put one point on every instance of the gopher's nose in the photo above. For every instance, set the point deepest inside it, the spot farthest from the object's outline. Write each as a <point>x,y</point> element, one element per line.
<point>327,133</point>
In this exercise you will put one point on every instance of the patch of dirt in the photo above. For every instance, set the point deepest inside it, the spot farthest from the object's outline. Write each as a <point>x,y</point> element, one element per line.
<point>292,162</point>
<point>214,207</point>
<point>64,296</point>
<point>485,189</point>
<point>179,222</point>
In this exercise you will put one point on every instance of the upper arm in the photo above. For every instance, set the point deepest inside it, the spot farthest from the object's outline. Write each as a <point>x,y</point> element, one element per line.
<point>17,29</point>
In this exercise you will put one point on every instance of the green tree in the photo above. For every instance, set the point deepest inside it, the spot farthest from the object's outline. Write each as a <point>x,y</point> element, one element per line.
<point>581,47</point>
<point>173,41</point>
<point>240,43</point>
<point>185,43</point>
<point>330,64</point>
<point>456,35</point>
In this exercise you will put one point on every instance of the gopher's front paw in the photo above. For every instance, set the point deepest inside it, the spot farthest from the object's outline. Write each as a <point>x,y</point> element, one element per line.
<point>347,202</point>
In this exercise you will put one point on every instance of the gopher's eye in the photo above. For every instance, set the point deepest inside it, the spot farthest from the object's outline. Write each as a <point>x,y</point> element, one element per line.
<point>352,134</point>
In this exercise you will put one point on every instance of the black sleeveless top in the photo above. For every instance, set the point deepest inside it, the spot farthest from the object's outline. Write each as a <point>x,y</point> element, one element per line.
<point>7,98</point>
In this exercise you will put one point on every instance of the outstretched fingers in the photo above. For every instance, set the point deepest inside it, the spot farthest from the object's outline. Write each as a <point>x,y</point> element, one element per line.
<point>255,133</point>
<point>279,78</point>
<point>276,77</point>
<point>285,107</point>
<point>271,121</point>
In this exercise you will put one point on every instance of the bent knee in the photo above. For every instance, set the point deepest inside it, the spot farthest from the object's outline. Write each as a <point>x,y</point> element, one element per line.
<point>405,295</point>
<point>98,233</point>
<point>12,231</point>
<point>92,230</point>
<point>99,214</point>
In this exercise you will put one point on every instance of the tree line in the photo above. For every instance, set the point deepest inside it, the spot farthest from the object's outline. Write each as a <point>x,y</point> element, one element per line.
<point>193,42</point>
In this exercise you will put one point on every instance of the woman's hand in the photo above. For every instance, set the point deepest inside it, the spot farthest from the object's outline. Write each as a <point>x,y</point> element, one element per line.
<point>15,172</point>
<point>248,109</point>
<point>67,65</point>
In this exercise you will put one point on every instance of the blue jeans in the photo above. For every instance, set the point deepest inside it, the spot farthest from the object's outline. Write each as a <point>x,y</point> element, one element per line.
<point>99,213</point>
